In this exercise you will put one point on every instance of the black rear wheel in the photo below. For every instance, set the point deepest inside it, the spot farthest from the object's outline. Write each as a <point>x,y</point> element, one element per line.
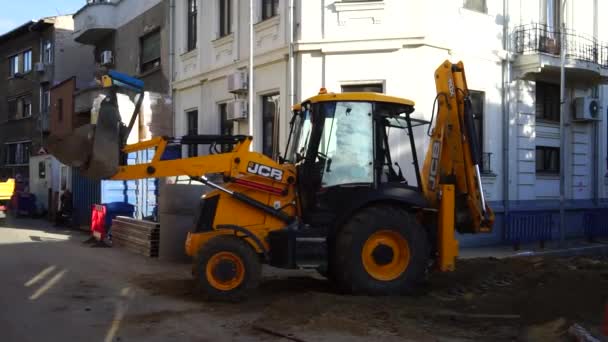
<point>381,250</point>
<point>227,269</point>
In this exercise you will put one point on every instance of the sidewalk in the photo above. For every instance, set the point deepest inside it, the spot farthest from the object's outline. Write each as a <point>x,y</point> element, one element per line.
<point>552,248</point>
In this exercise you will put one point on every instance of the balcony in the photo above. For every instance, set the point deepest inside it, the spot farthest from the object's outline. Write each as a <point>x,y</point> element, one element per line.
<point>539,51</point>
<point>94,21</point>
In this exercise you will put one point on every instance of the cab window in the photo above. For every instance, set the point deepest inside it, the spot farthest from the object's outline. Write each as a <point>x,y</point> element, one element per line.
<point>346,147</point>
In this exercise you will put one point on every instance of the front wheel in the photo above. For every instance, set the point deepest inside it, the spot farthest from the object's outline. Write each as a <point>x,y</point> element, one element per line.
<point>227,269</point>
<point>381,250</point>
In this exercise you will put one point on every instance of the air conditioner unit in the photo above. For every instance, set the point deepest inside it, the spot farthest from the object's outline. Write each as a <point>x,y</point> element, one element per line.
<point>106,57</point>
<point>238,82</point>
<point>39,67</point>
<point>586,109</point>
<point>237,110</point>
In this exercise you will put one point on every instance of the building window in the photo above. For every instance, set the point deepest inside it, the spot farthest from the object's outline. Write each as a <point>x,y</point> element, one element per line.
<point>225,17</point>
<point>27,61</point>
<point>225,125</point>
<point>478,99</point>
<point>26,103</point>
<point>13,63</point>
<point>192,127</point>
<point>370,87</point>
<point>547,101</point>
<point>270,8</point>
<point>551,16</point>
<point>150,51</point>
<point>476,5</point>
<point>270,134</point>
<point>18,153</point>
<point>547,160</point>
<point>192,24</point>
<point>47,52</point>
<point>20,107</point>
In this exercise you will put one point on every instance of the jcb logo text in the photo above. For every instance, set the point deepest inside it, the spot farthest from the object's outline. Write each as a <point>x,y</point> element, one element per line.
<point>265,171</point>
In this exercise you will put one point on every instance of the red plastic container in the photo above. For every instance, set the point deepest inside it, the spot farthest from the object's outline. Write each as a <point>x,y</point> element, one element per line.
<point>98,221</point>
<point>103,214</point>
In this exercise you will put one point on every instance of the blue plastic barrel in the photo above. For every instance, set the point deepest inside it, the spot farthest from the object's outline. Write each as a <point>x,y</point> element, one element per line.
<point>114,209</point>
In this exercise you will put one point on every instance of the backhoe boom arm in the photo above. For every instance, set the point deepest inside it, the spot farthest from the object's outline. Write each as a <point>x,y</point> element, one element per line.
<point>453,160</point>
<point>231,164</point>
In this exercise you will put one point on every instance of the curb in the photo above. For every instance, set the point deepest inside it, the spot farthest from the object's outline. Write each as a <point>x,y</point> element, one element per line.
<point>601,250</point>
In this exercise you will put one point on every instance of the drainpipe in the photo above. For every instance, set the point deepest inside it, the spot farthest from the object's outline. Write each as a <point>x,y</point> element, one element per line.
<point>251,70</point>
<point>596,126</point>
<point>562,131</point>
<point>172,60</point>
<point>237,30</point>
<point>292,78</point>
<point>506,86</point>
<point>596,154</point>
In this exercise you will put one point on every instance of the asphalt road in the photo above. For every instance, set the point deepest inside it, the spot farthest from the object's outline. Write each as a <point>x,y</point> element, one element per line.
<point>55,288</point>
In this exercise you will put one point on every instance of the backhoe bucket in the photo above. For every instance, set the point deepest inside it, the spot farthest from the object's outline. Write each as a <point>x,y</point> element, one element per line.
<point>93,148</point>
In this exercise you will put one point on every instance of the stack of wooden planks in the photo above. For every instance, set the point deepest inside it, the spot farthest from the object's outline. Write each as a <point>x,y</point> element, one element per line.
<point>141,237</point>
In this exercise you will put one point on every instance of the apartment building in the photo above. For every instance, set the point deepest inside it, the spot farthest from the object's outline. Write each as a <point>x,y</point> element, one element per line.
<point>512,53</point>
<point>35,56</point>
<point>211,46</point>
<point>129,36</point>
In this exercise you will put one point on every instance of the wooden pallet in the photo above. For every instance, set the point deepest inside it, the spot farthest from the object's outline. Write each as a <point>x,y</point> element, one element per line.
<point>145,251</point>
<point>141,237</point>
<point>134,240</point>
<point>135,234</point>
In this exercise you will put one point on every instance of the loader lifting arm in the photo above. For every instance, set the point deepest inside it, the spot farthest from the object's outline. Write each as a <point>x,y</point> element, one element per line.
<point>249,170</point>
<point>104,149</point>
<point>232,164</point>
<point>451,179</point>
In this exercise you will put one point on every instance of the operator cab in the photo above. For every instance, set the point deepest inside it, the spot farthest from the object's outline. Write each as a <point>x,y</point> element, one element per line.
<point>346,146</point>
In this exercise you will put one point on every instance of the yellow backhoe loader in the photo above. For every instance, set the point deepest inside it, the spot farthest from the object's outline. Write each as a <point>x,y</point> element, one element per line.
<point>336,200</point>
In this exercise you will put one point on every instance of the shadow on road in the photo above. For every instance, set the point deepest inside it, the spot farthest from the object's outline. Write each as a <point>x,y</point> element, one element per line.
<point>44,227</point>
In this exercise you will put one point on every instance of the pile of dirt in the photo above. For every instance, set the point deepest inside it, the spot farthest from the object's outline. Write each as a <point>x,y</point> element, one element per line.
<point>531,299</point>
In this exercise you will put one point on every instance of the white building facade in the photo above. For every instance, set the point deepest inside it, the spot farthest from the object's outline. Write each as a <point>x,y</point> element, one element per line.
<point>511,52</point>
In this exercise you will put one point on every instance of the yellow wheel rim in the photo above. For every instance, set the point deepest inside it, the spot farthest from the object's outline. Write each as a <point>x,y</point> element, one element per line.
<point>385,255</point>
<point>225,271</point>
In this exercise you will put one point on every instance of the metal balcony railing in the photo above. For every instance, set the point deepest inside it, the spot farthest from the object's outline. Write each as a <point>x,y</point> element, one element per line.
<point>539,38</point>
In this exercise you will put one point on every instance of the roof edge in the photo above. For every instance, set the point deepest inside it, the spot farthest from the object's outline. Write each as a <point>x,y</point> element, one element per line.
<point>23,28</point>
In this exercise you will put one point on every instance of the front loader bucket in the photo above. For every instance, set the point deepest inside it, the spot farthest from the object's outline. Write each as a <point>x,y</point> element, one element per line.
<point>93,148</point>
